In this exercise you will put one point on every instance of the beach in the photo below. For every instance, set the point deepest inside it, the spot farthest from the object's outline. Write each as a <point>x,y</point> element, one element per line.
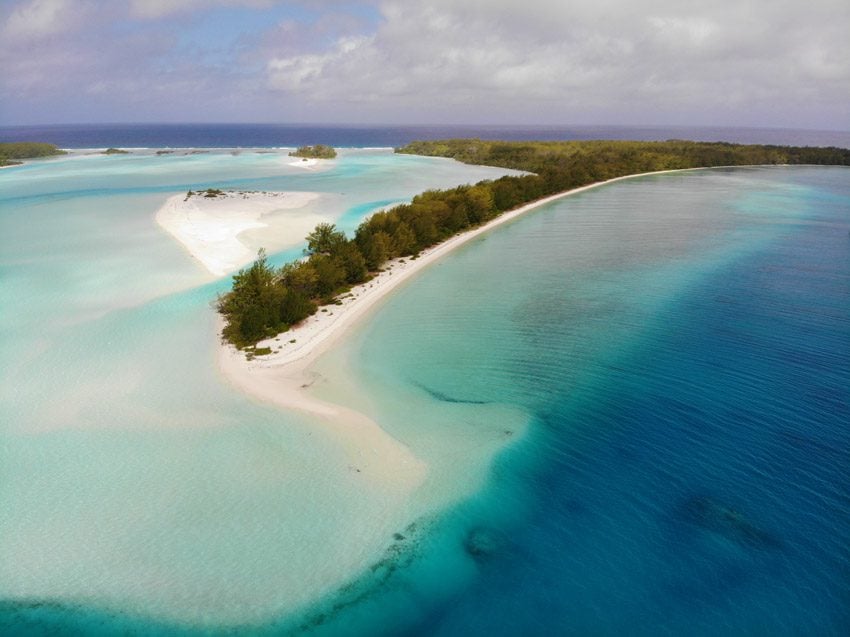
<point>309,163</point>
<point>212,228</point>
<point>284,378</point>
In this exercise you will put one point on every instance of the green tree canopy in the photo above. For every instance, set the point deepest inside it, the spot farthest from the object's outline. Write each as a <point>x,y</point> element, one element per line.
<point>325,239</point>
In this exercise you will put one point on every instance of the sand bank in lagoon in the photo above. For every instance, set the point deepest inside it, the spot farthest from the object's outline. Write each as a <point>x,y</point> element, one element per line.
<point>210,227</point>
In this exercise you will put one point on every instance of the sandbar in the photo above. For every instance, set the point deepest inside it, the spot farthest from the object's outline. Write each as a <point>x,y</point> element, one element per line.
<point>309,163</point>
<point>210,227</point>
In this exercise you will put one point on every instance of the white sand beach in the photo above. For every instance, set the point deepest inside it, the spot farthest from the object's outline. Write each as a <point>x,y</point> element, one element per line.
<point>309,163</point>
<point>210,227</point>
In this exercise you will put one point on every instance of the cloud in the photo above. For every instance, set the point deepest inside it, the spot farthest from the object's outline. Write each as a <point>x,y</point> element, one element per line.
<point>36,19</point>
<point>583,60</point>
<point>304,71</point>
<point>745,62</point>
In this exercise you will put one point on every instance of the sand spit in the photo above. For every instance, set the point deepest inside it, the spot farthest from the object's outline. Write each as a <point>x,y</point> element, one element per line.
<point>309,163</point>
<point>283,376</point>
<point>209,227</point>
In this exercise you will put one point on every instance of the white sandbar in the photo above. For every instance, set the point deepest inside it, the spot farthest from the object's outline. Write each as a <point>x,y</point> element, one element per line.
<point>309,163</point>
<point>209,227</point>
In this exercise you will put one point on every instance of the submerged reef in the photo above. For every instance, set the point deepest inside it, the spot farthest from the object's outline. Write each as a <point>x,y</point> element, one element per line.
<point>712,515</point>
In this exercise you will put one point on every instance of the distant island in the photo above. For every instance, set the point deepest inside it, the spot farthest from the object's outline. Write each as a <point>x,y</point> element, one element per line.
<point>12,152</point>
<point>115,151</point>
<point>265,301</point>
<point>319,151</point>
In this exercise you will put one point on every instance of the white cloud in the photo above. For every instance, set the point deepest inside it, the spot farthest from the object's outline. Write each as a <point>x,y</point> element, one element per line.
<point>747,62</point>
<point>309,71</point>
<point>36,18</point>
<point>584,60</point>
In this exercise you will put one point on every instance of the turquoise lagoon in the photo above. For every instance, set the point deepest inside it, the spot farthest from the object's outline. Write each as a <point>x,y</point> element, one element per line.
<point>134,481</point>
<point>633,405</point>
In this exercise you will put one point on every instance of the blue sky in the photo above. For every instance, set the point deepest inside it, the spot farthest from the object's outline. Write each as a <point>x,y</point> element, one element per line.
<point>726,62</point>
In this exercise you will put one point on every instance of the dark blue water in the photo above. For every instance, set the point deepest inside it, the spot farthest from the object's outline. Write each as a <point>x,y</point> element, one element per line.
<point>709,490</point>
<point>273,135</point>
<point>683,347</point>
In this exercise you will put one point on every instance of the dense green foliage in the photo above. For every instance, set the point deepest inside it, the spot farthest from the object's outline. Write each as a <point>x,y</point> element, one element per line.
<point>319,151</point>
<point>12,151</point>
<point>265,300</point>
<point>606,159</point>
<point>116,151</point>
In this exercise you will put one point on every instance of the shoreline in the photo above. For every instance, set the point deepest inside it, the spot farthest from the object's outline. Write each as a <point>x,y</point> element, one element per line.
<point>209,228</point>
<point>282,377</point>
<point>309,163</point>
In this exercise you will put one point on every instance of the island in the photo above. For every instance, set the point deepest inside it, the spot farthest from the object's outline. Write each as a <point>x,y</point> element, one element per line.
<point>266,301</point>
<point>115,151</point>
<point>319,151</point>
<point>12,152</point>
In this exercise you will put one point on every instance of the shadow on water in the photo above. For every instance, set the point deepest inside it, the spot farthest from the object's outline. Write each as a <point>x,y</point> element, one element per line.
<point>446,398</point>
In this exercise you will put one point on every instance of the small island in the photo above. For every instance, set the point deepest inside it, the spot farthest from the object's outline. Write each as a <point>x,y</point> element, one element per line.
<point>319,151</point>
<point>12,152</point>
<point>115,151</point>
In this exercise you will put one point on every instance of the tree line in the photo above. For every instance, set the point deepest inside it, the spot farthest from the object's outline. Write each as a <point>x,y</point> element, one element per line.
<point>265,301</point>
<point>319,151</point>
<point>10,152</point>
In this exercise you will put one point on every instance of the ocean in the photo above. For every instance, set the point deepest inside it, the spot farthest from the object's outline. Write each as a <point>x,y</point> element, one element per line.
<point>276,135</point>
<point>632,402</point>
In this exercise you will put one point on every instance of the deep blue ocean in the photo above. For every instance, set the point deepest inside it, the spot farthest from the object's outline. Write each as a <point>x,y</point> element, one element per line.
<point>681,343</point>
<point>273,135</point>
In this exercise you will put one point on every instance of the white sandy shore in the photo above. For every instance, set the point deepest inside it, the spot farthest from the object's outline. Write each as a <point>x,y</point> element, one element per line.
<point>209,227</point>
<point>309,163</point>
<point>282,376</point>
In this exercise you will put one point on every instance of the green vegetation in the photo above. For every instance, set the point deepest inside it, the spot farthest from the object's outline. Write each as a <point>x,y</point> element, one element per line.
<point>252,352</point>
<point>210,193</point>
<point>265,301</point>
<point>319,151</point>
<point>601,160</point>
<point>11,152</point>
<point>115,151</point>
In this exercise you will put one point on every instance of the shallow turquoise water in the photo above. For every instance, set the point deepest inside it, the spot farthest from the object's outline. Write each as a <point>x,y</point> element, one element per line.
<point>134,482</point>
<point>663,358</point>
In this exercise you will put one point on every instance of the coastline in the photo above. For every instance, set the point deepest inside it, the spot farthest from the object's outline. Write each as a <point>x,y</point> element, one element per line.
<point>309,163</point>
<point>209,228</point>
<point>282,377</point>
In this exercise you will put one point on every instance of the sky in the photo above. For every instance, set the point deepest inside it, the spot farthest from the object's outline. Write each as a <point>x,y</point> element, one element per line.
<point>762,63</point>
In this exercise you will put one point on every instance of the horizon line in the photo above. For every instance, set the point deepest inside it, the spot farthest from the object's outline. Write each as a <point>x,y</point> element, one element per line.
<point>418,125</point>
